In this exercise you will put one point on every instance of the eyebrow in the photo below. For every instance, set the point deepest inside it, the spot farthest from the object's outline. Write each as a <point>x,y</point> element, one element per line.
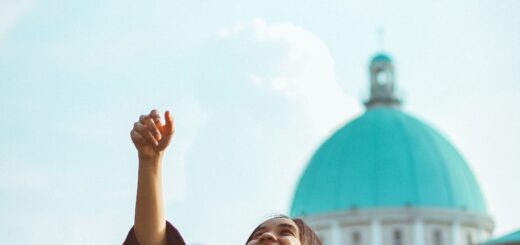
<point>283,225</point>
<point>261,229</point>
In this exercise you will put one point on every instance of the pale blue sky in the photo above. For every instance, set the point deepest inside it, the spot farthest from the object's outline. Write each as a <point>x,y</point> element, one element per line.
<point>254,89</point>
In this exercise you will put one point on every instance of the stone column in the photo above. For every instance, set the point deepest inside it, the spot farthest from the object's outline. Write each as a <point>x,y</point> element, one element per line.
<point>455,232</point>
<point>418,232</point>
<point>376,231</point>
<point>335,233</point>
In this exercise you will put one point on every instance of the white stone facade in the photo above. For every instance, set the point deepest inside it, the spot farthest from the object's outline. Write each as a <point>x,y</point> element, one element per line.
<point>401,226</point>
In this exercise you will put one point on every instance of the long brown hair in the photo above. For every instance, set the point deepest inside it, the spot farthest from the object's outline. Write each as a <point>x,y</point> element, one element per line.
<point>307,235</point>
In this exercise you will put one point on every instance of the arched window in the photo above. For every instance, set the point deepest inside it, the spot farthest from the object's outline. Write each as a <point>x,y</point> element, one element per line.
<point>398,238</point>
<point>437,237</point>
<point>356,238</point>
<point>382,77</point>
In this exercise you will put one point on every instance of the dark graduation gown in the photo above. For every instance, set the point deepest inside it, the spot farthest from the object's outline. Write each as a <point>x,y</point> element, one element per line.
<point>173,237</point>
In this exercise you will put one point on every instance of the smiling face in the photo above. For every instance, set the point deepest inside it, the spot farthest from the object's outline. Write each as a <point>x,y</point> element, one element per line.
<point>277,231</point>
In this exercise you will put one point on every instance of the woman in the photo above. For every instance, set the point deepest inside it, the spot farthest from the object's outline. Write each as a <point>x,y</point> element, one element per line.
<point>151,137</point>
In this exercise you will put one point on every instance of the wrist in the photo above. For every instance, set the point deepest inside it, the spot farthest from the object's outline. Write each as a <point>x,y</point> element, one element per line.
<point>153,161</point>
<point>148,157</point>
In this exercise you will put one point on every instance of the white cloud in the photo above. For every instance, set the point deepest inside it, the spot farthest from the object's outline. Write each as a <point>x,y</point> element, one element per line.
<point>10,13</point>
<point>307,75</point>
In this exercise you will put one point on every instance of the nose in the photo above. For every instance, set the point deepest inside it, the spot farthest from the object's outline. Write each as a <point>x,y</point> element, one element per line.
<point>267,236</point>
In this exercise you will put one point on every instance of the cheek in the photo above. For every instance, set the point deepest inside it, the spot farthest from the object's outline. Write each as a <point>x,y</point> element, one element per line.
<point>289,241</point>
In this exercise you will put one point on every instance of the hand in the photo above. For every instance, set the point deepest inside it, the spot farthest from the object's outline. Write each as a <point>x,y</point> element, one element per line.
<point>150,136</point>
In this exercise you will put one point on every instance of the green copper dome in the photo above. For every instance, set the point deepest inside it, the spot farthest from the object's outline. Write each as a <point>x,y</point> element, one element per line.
<point>386,158</point>
<point>511,239</point>
<point>381,57</point>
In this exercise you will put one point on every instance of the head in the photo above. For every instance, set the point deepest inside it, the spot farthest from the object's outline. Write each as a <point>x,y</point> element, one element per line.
<point>282,230</point>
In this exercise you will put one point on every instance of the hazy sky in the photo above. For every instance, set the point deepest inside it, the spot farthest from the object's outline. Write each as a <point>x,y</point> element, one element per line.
<point>254,89</point>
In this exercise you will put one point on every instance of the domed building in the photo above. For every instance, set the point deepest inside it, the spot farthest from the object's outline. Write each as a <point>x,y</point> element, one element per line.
<point>509,239</point>
<point>387,178</point>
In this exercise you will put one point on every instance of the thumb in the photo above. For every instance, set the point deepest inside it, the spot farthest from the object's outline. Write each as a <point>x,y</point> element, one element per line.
<point>169,127</point>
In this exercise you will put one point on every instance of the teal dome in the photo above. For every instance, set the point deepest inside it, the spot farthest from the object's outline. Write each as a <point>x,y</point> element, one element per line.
<point>511,239</point>
<point>383,159</point>
<point>381,57</point>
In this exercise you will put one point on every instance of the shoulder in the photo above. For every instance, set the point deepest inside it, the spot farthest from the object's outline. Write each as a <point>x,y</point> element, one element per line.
<point>173,236</point>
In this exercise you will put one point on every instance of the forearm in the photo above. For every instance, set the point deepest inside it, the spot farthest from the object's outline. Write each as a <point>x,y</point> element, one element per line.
<point>150,222</point>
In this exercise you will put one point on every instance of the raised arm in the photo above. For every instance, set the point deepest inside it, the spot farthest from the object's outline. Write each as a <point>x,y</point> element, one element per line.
<point>151,137</point>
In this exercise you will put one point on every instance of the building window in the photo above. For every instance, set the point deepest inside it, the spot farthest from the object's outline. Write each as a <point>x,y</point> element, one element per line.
<point>398,238</point>
<point>356,238</point>
<point>437,237</point>
<point>382,77</point>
